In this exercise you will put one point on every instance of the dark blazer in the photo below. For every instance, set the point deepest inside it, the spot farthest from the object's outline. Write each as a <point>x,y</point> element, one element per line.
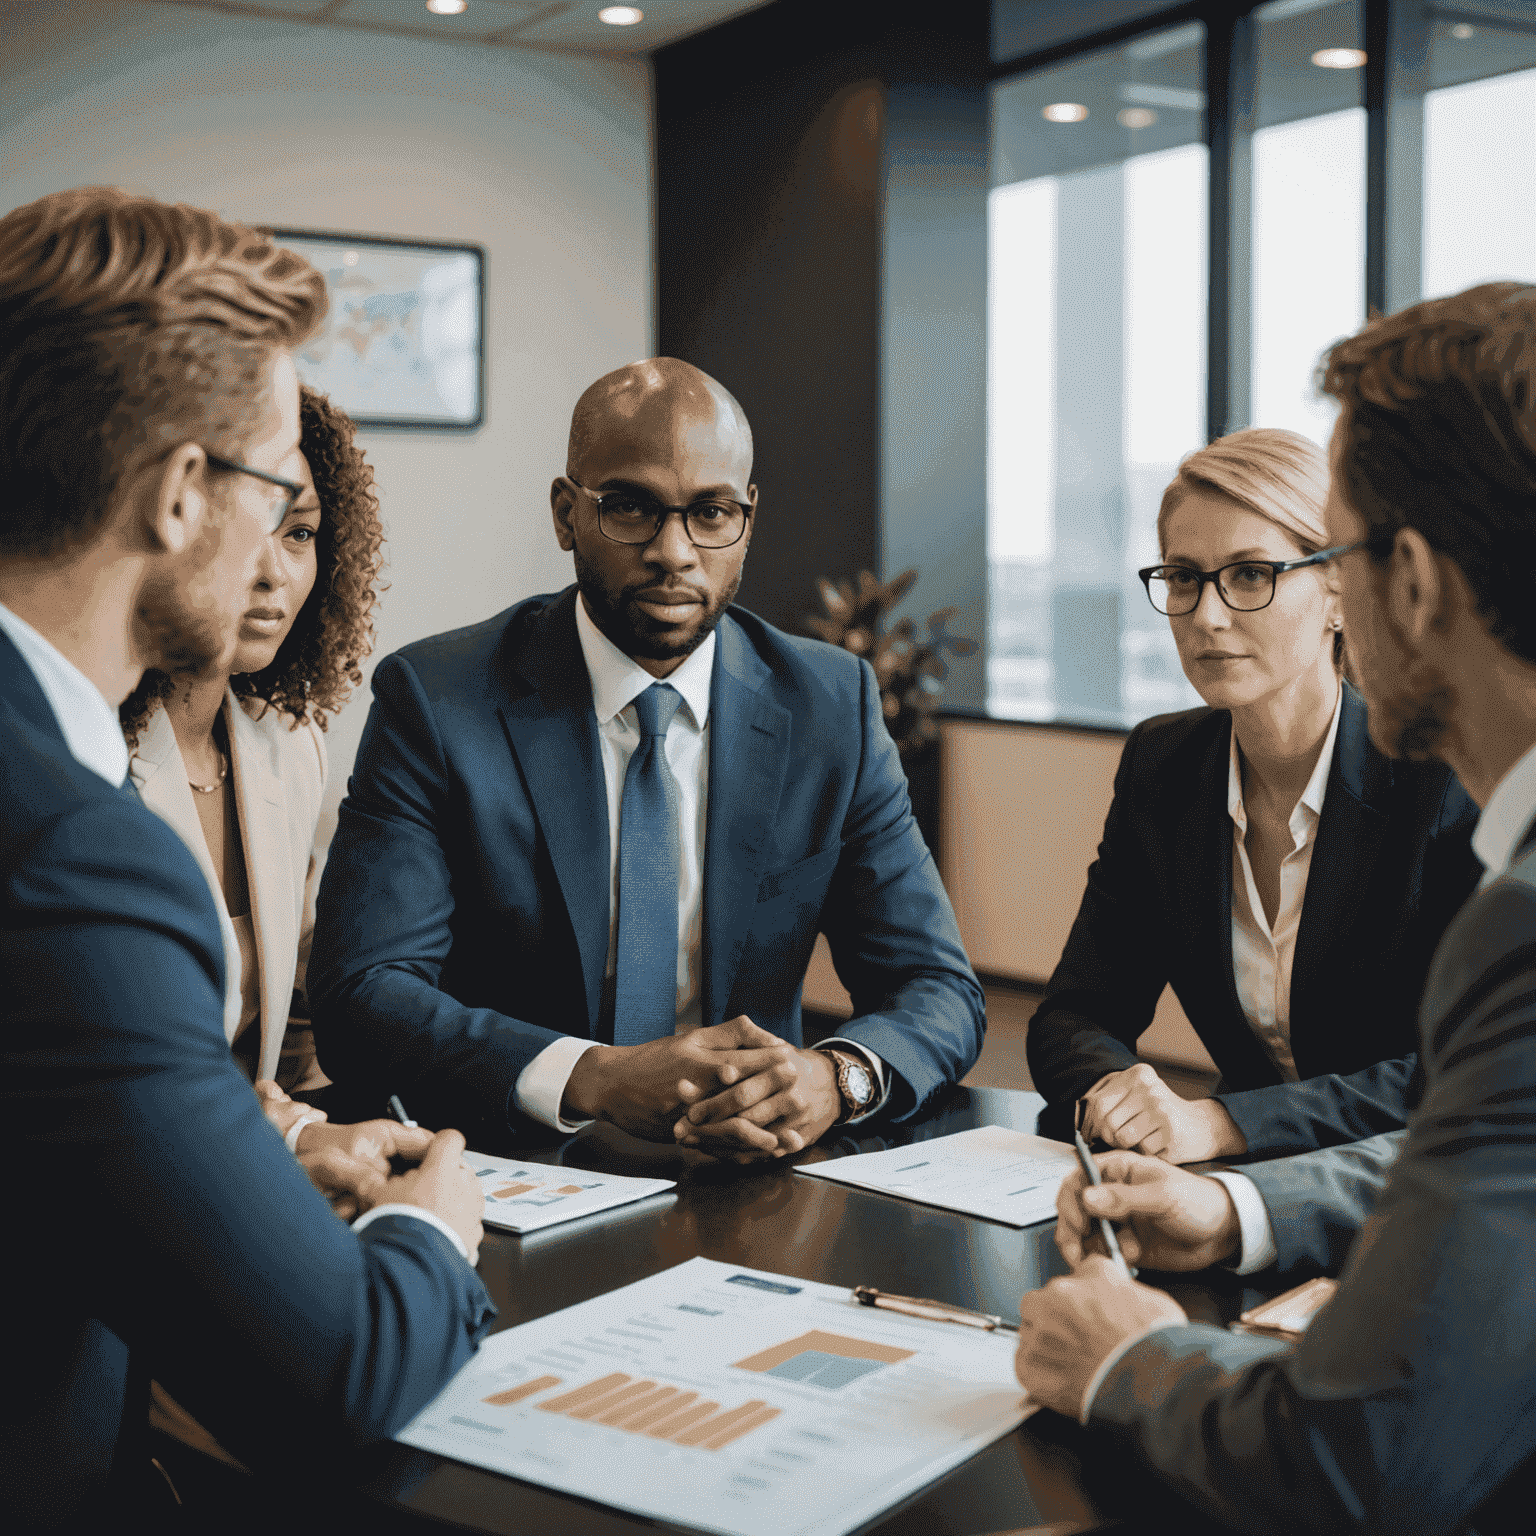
<point>1392,864</point>
<point>1410,1404</point>
<point>155,1223</point>
<point>463,914</point>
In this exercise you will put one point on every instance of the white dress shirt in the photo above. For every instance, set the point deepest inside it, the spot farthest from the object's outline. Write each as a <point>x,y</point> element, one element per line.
<point>95,740</point>
<point>617,681</point>
<point>1506,818</point>
<point>90,725</point>
<point>1262,955</point>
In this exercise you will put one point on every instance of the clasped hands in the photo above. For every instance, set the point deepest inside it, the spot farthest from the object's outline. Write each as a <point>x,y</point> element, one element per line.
<point>1167,1219</point>
<point>1135,1109</point>
<point>732,1090</point>
<point>350,1165</point>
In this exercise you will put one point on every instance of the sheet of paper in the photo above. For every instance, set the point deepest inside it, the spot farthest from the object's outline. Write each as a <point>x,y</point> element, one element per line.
<point>729,1400</point>
<point>523,1197</point>
<point>1007,1176</point>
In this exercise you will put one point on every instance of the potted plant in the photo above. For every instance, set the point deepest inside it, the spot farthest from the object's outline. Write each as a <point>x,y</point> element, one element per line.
<point>909,667</point>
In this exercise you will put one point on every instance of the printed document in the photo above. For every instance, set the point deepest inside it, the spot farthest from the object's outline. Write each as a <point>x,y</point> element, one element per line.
<point>729,1400</point>
<point>523,1197</point>
<point>1007,1176</point>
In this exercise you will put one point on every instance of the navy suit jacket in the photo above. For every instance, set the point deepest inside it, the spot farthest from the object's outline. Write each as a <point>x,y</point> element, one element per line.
<point>463,916</point>
<point>1392,864</point>
<point>156,1225</point>
<point>1410,1403</point>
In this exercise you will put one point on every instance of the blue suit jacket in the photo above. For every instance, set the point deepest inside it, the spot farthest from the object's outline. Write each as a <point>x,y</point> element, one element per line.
<point>155,1223</point>
<point>1392,863</point>
<point>463,916</point>
<point>1410,1404</point>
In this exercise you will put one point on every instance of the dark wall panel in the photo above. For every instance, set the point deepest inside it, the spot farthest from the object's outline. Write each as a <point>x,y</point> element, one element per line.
<point>768,207</point>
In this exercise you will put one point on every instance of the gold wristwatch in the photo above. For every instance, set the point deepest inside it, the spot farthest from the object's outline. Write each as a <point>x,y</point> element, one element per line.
<point>856,1084</point>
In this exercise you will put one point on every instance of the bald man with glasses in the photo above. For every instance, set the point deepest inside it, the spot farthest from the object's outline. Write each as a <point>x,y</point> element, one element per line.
<point>591,841</point>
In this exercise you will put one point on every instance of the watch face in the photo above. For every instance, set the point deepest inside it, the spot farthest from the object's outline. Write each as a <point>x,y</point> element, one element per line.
<point>859,1086</point>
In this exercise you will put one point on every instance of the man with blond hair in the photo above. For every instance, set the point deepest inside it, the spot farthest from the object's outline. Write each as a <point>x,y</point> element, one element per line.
<point>157,1225</point>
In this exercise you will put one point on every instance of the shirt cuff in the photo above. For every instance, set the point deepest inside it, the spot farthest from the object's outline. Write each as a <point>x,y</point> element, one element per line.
<point>310,1117</point>
<point>1112,1359</point>
<point>1259,1249</point>
<point>541,1084</point>
<point>419,1213</point>
<point>882,1073</point>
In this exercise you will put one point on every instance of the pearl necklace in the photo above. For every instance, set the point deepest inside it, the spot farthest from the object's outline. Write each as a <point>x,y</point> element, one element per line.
<point>208,789</point>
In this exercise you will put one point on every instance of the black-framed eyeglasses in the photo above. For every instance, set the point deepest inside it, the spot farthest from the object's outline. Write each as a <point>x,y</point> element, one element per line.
<point>634,517</point>
<point>292,487</point>
<point>1245,586</point>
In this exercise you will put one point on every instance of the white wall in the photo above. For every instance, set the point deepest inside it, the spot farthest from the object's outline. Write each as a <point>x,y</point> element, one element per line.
<point>545,160</point>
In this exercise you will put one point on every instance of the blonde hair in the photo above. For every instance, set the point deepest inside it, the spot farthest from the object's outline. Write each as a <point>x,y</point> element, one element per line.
<point>128,326</point>
<point>1282,476</point>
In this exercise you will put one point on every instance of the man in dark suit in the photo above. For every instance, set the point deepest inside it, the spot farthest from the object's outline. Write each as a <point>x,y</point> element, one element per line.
<point>157,1226</point>
<point>1410,1403</point>
<point>589,843</point>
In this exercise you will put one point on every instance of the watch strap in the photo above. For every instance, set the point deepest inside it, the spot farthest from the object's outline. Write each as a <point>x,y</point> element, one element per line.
<point>845,1062</point>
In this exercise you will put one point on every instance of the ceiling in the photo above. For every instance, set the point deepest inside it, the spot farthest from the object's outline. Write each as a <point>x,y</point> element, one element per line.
<point>566,26</point>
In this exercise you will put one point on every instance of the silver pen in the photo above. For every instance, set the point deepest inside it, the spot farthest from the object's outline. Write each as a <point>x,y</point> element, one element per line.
<point>934,1311</point>
<point>1091,1169</point>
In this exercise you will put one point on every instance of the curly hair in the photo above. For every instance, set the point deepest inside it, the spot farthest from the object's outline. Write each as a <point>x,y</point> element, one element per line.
<point>319,662</point>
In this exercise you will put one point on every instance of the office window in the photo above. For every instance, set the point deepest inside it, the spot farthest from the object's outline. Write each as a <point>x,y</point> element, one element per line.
<point>1308,198</point>
<point>1101,217</point>
<point>1480,155</point>
<point>1096,371</point>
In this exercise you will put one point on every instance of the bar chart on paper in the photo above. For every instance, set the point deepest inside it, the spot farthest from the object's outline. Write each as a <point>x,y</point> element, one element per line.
<point>730,1400</point>
<point>525,1197</point>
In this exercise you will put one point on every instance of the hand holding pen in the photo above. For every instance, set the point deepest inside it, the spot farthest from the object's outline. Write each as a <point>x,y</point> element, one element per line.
<point>1092,1174</point>
<point>1167,1218</point>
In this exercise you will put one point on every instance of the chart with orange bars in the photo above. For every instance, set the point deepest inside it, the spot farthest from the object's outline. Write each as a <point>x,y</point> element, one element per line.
<point>524,1197</point>
<point>730,1400</point>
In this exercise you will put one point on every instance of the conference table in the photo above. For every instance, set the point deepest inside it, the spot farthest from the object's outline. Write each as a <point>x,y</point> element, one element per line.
<point>1048,1473</point>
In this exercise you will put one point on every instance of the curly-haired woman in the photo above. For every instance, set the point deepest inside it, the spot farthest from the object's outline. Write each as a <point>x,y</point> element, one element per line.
<point>235,760</point>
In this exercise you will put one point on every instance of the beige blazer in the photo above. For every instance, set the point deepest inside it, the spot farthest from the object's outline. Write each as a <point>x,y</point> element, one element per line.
<point>279,775</point>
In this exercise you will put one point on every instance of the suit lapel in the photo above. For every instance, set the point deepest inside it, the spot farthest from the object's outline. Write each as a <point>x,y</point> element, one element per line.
<point>1349,836</point>
<point>160,776</point>
<point>553,733</point>
<point>749,739</point>
<point>266,836</point>
<point>1204,848</point>
<point>1203,851</point>
<point>21,689</point>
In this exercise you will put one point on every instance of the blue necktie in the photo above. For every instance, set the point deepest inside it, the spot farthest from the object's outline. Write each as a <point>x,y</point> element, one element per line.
<point>645,982</point>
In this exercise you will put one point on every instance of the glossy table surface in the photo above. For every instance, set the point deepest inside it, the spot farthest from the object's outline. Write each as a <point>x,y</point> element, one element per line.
<point>1047,1472</point>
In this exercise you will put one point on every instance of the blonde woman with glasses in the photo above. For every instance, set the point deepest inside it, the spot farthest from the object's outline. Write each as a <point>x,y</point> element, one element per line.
<point>1261,856</point>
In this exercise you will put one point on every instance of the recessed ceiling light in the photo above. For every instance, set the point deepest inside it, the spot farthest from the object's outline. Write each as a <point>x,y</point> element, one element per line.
<point>1136,117</point>
<point>621,15</point>
<point>1461,31</point>
<point>447,7</point>
<point>1339,58</point>
<point>1064,112</point>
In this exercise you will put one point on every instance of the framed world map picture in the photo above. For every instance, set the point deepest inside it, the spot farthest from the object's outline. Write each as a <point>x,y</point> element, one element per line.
<point>402,346</point>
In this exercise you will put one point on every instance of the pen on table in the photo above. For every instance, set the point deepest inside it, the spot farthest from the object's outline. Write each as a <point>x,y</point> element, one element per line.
<point>1091,1170</point>
<point>397,1109</point>
<point>935,1311</point>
